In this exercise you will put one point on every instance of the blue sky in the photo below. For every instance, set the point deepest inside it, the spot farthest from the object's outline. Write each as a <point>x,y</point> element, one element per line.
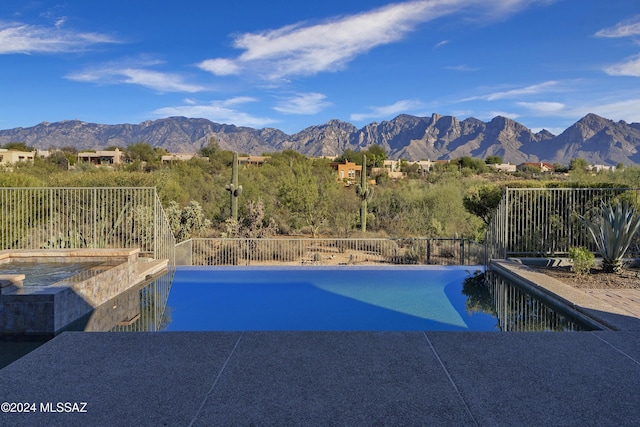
<point>292,64</point>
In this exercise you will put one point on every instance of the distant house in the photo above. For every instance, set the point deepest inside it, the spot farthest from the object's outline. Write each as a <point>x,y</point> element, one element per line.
<point>8,157</point>
<point>252,160</point>
<point>104,158</point>
<point>43,154</point>
<point>178,157</point>
<point>503,167</point>
<point>543,166</point>
<point>599,168</point>
<point>347,171</point>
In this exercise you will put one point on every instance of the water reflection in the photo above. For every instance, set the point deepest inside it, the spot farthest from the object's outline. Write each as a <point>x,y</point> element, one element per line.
<point>153,314</point>
<point>518,311</point>
<point>478,295</point>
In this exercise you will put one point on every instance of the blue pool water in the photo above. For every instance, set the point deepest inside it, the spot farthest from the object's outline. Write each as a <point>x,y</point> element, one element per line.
<point>323,299</point>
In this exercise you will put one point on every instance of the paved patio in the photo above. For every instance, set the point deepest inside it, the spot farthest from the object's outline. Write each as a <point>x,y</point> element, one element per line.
<point>329,378</point>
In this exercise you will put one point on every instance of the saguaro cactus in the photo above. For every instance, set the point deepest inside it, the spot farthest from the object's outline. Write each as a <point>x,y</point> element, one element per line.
<point>234,189</point>
<point>365,193</point>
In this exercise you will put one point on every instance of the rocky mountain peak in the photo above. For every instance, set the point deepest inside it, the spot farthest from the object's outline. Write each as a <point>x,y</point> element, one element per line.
<point>596,139</point>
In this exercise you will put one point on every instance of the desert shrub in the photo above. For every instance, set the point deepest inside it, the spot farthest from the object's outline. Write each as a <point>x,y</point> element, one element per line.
<point>228,253</point>
<point>582,260</point>
<point>284,251</point>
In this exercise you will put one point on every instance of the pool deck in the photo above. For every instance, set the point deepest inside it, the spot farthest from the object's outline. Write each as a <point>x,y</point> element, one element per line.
<point>338,378</point>
<point>330,378</point>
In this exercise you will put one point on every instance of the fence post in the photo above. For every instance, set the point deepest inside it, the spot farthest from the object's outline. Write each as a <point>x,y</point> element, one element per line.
<point>428,251</point>
<point>462,252</point>
<point>506,223</point>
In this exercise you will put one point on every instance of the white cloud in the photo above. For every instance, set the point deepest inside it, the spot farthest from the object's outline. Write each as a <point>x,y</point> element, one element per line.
<point>220,66</point>
<point>218,111</point>
<point>388,110</point>
<point>629,67</point>
<point>136,74</point>
<point>463,67</point>
<point>303,103</point>
<point>440,44</point>
<point>512,93</point>
<point>543,107</point>
<point>303,49</point>
<point>627,109</point>
<point>493,114</point>
<point>17,37</point>
<point>628,28</point>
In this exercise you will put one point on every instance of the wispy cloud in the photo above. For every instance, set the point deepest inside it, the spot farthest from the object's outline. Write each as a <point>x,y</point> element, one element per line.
<point>543,107</point>
<point>463,67</point>
<point>506,114</point>
<point>385,111</point>
<point>629,67</point>
<point>303,103</point>
<point>627,28</point>
<point>136,74</point>
<point>441,43</point>
<point>220,111</point>
<point>626,109</point>
<point>16,37</point>
<point>543,87</point>
<point>305,49</point>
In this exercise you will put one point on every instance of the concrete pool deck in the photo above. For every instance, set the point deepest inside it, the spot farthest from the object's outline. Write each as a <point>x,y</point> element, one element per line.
<point>329,378</point>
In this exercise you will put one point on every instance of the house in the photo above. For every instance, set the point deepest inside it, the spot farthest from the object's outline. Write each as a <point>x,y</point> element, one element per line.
<point>8,157</point>
<point>503,167</point>
<point>599,168</point>
<point>347,171</point>
<point>252,160</point>
<point>178,157</point>
<point>543,166</point>
<point>105,158</point>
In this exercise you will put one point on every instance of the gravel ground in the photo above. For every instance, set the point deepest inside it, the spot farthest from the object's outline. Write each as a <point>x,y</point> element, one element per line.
<point>596,279</point>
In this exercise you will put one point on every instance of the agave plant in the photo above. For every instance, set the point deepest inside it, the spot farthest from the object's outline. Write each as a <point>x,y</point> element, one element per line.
<point>613,233</point>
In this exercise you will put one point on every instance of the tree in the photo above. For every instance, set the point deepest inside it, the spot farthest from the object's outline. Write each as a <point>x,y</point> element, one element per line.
<point>140,151</point>
<point>307,194</point>
<point>482,201</point>
<point>475,165</point>
<point>349,155</point>
<point>493,160</point>
<point>560,168</point>
<point>376,156</point>
<point>578,164</point>
<point>18,146</point>
<point>212,148</point>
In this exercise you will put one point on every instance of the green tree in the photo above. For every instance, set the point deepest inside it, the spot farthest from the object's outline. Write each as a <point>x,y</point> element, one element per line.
<point>376,155</point>
<point>18,146</point>
<point>211,149</point>
<point>307,194</point>
<point>482,201</point>
<point>493,160</point>
<point>578,164</point>
<point>475,165</point>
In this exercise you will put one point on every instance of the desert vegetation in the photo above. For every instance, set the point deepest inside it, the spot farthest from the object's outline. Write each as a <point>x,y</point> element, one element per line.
<point>297,195</point>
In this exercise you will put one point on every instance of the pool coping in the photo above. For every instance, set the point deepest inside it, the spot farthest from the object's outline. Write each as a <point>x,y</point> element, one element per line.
<point>578,303</point>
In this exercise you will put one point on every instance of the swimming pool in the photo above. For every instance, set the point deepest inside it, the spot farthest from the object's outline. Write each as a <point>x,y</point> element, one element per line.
<point>323,299</point>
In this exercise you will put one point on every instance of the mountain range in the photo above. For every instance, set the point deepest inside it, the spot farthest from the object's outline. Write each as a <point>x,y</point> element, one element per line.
<point>593,138</point>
